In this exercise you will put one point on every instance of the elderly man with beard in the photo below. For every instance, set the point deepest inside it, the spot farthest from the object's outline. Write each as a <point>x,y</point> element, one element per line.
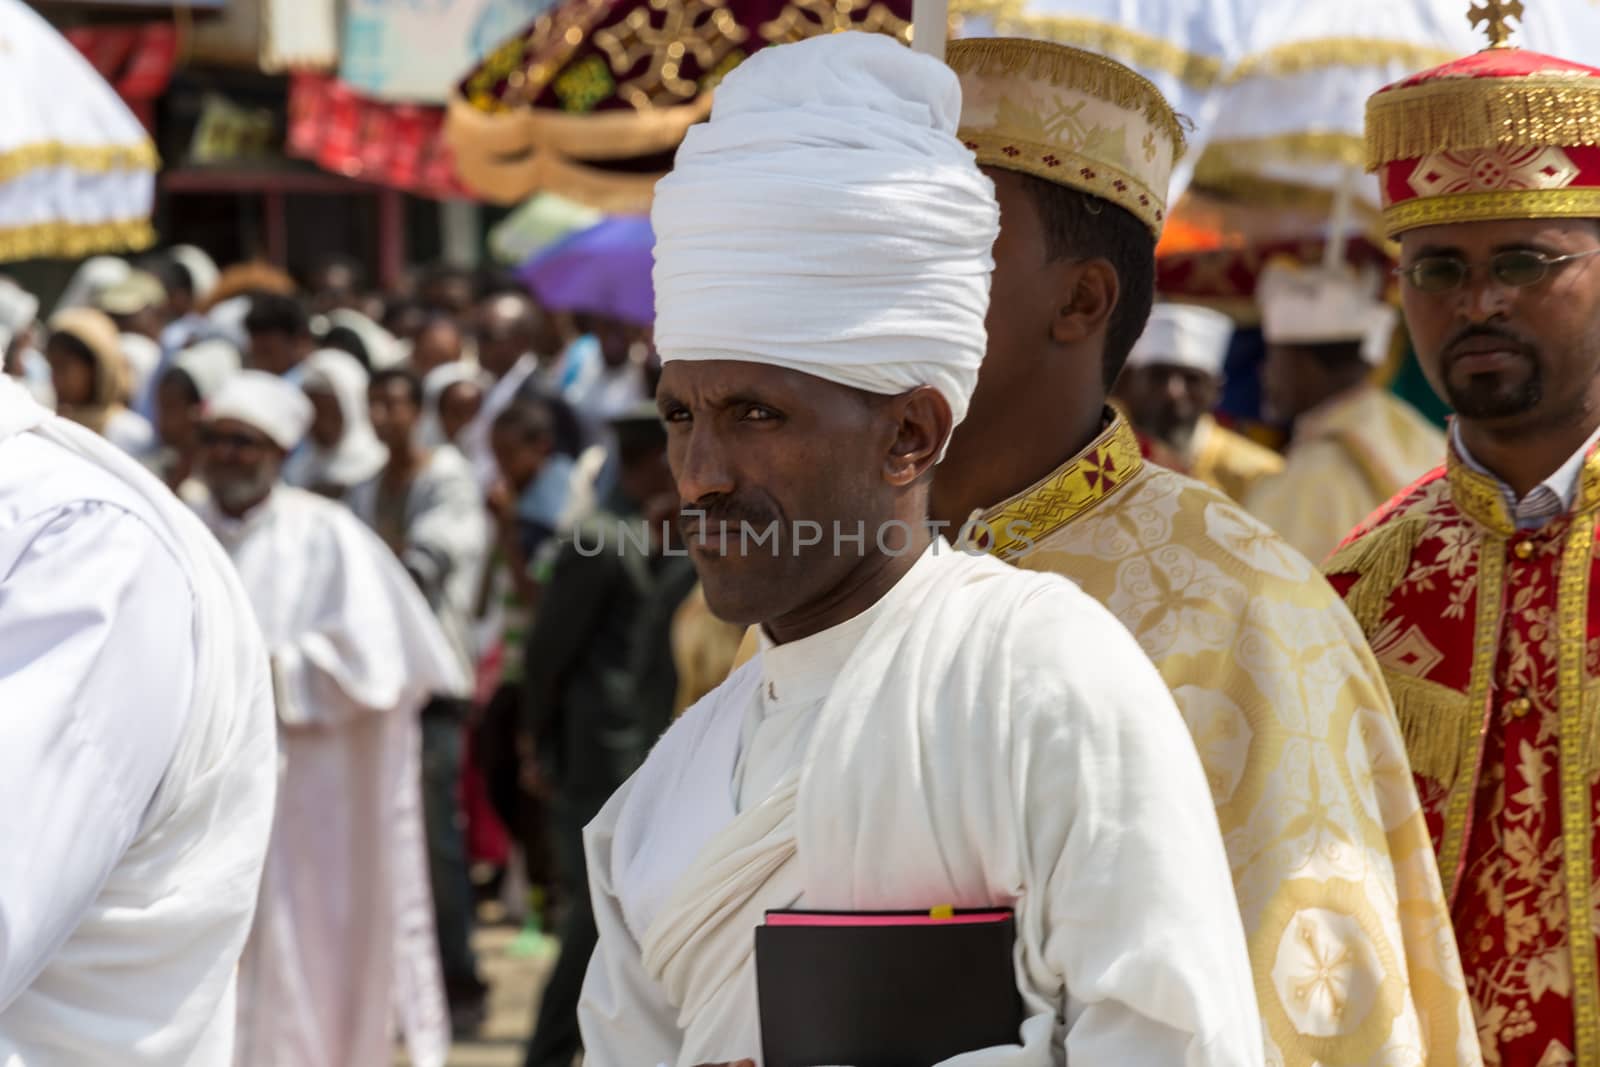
<point>922,727</point>
<point>342,953</point>
<point>1477,586</point>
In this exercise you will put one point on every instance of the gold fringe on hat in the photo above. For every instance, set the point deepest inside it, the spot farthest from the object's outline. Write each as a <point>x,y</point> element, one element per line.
<point>1463,113</point>
<point>1072,69</point>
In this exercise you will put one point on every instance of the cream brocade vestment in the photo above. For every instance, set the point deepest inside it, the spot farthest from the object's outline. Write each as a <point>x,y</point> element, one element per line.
<point>1349,935</point>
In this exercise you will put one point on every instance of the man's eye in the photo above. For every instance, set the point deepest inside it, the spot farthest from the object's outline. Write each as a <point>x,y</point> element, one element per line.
<point>675,414</point>
<point>757,413</point>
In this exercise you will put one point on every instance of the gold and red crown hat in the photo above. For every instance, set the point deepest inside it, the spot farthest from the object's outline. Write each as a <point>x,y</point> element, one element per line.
<point>1502,134</point>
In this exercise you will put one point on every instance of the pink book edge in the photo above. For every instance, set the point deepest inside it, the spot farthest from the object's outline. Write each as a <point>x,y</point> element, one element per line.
<point>867,918</point>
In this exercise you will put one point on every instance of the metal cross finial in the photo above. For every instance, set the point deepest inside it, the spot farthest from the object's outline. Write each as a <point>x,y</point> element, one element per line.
<point>1495,16</point>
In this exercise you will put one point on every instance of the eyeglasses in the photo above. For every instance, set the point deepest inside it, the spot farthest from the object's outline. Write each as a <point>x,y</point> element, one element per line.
<point>1516,267</point>
<point>238,441</point>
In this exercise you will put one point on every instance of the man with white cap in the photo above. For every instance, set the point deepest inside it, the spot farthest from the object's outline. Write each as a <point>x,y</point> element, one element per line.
<point>1354,444</point>
<point>343,940</point>
<point>1169,387</point>
<point>1335,880</point>
<point>922,726</point>
<point>137,768</point>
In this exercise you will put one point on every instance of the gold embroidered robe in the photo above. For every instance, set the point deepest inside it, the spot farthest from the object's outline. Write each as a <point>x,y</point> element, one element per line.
<point>1349,937</point>
<point>1347,459</point>
<point>1490,639</point>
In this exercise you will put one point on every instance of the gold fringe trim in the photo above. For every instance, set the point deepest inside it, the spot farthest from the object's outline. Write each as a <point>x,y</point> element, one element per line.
<point>1072,69</point>
<point>1119,42</point>
<point>1430,721</point>
<point>72,240</point>
<point>1489,207</point>
<point>1222,158</point>
<point>1303,57</point>
<point>1380,560</point>
<point>92,159</point>
<point>1451,114</point>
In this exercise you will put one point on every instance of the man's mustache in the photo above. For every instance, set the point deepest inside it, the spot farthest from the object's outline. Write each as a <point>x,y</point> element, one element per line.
<point>1521,345</point>
<point>724,513</point>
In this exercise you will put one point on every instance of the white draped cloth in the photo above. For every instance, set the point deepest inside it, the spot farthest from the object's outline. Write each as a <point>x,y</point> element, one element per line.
<point>981,737</point>
<point>359,454</point>
<point>343,946</point>
<point>137,767</point>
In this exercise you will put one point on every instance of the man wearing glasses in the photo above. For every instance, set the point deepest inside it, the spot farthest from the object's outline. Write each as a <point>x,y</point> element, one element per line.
<point>1477,586</point>
<point>1355,444</point>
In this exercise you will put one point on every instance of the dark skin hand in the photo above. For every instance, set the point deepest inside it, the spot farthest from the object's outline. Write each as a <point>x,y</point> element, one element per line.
<point>761,448</point>
<point>1040,393</point>
<point>1520,366</point>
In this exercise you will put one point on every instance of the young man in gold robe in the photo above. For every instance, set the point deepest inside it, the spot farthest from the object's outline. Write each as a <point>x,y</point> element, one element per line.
<point>1477,586</point>
<point>1348,933</point>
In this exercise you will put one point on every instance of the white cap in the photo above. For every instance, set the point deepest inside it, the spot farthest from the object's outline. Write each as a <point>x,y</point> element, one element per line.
<point>267,402</point>
<point>1312,306</point>
<point>1183,335</point>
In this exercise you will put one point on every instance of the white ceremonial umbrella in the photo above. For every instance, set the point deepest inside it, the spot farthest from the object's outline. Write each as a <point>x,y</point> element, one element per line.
<point>77,171</point>
<point>1277,89</point>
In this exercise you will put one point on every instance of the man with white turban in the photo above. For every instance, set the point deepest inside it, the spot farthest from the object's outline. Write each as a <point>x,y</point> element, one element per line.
<point>922,727</point>
<point>1169,386</point>
<point>1355,444</point>
<point>342,953</point>
<point>137,766</point>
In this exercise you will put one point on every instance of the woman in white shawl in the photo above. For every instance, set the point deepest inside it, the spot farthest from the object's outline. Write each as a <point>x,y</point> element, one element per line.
<point>452,396</point>
<point>341,451</point>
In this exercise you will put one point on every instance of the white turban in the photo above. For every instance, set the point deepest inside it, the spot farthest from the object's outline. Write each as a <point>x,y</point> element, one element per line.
<point>268,403</point>
<point>827,220</point>
<point>1313,306</point>
<point>1183,335</point>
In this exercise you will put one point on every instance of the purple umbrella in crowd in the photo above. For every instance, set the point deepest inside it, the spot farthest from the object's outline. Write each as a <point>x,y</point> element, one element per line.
<point>604,270</point>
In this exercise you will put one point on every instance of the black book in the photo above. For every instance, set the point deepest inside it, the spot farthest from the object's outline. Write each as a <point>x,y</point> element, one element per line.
<point>885,989</point>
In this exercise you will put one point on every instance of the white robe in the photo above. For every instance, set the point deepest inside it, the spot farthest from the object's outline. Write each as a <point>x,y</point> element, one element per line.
<point>343,941</point>
<point>137,760</point>
<point>987,737</point>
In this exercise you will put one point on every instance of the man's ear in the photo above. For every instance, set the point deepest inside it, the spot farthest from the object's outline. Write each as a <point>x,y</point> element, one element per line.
<point>923,423</point>
<point>1090,290</point>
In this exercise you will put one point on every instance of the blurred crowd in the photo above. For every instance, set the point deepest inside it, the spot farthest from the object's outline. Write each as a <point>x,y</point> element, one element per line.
<point>493,445</point>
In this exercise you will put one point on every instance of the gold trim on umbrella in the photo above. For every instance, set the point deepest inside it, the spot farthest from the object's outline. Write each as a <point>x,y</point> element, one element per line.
<point>1118,42</point>
<point>1303,57</point>
<point>73,240</point>
<point>91,159</point>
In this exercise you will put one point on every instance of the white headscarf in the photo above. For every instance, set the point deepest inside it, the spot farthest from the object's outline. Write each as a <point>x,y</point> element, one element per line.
<point>92,278</point>
<point>142,357</point>
<point>209,365</point>
<point>359,454</point>
<point>18,310</point>
<point>430,431</point>
<point>202,269</point>
<point>827,220</point>
<point>265,401</point>
<point>383,350</point>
